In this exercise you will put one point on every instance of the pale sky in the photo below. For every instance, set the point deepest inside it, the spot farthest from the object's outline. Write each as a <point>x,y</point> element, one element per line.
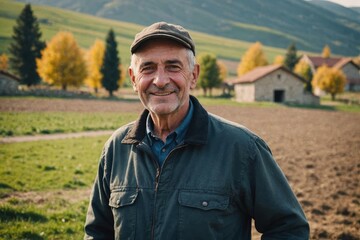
<point>347,3</point>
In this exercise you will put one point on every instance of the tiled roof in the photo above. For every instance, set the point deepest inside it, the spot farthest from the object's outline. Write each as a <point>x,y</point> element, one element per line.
<point>259,73</point>
<point>319,61</point>
<point>342,63</point>
<point>330,62</point>
<point>5,73</point>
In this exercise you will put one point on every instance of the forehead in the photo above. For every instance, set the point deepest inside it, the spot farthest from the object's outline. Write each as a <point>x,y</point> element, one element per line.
<point>161,50</point>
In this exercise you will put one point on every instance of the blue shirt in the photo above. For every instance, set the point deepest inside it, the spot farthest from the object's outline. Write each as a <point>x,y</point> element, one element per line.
<point>162,149</point>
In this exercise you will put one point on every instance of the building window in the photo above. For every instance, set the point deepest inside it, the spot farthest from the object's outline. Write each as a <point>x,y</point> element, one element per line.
<point>279,76</point>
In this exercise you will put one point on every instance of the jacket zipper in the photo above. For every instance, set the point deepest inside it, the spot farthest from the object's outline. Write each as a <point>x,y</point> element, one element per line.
<point>157,178</point>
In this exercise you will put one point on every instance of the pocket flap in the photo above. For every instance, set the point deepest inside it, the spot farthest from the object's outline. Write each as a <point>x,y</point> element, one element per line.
<point>123,198</point>
<point>204,201</point>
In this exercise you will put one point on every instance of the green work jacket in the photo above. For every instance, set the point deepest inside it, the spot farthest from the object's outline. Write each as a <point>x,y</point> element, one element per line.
<point>209,187</point>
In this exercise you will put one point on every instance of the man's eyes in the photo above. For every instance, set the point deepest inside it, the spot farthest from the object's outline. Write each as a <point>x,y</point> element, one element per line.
<point>173,68</point>
<point>148,69</point>
<point>170,68</point>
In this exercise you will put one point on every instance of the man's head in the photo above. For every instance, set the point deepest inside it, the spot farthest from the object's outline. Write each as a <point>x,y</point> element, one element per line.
<point>163,68</point>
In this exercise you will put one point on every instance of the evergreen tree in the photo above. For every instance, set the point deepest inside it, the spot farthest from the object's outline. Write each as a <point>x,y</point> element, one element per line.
<point>291,57</point>
<point>26,46</point>
<point>110,67</point>
<point>210,73</point>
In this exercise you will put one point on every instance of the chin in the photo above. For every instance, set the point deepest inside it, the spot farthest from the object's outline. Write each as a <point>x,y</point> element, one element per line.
<point>163,109</point>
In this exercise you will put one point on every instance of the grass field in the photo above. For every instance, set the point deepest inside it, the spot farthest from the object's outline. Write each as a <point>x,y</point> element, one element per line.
<point>43,169</point>
<point>30,123</point>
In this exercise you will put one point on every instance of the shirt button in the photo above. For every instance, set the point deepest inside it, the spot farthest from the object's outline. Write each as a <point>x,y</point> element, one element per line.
<point>204,203</point>
<point>163,150</point>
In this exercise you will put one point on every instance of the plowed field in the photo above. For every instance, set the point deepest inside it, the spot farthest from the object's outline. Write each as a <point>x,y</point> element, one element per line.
<point>318,150</point>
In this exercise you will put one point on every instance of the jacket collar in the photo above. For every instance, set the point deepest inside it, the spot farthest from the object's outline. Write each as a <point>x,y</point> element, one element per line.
<point>196,134</point>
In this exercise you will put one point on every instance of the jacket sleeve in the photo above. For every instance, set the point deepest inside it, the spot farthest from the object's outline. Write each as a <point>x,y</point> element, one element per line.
<point>275,209</point>
<point>99,219</point>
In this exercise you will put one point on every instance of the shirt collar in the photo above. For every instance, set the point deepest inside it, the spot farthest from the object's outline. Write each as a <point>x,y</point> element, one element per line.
<point>180,131</point>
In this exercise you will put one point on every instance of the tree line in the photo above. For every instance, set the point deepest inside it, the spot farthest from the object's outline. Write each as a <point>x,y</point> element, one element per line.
<point>61,62</point>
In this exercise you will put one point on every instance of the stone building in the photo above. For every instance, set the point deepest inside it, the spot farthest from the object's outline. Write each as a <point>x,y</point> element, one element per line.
<point>9,84</point>
<point>347,65</point>
<point>272,83</point>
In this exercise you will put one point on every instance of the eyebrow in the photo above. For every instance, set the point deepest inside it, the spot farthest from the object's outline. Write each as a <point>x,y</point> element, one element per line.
<point>144,64</point>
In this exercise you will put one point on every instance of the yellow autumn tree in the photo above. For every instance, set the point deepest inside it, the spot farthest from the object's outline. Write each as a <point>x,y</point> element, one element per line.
<point>4,62</point>
<point>62,62</point>
<point>330,80</point>
<point>122,75</point>
<point>326,51</point>
<point>253,57</point>
<point>223,72</point>
<point>95,61</point>
<point>279,60</point>
<point>303,69</point>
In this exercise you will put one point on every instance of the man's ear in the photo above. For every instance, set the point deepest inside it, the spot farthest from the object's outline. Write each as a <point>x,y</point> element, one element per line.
<point>132,78</point>
<point>195,76</point>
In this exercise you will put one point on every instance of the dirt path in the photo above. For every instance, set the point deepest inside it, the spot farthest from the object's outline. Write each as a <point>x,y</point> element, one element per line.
<point>54,136</point>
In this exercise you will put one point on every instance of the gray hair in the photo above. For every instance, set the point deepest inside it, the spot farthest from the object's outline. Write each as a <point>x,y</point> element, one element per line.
<point>190,55</point>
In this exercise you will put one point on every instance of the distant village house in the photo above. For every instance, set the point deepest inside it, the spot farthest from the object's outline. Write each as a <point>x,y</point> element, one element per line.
<point>9,84</point>
<point>347,65</point>
<point>272,83</point>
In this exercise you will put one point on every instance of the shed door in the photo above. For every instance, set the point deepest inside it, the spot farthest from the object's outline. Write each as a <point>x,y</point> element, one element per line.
<point>279,96</point>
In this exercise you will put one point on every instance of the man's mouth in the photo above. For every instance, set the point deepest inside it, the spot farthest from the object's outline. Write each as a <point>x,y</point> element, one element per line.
<point>161,94</point>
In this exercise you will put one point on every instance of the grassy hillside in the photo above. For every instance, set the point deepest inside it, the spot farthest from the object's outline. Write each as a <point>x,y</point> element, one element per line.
<point>275,23</point>
<point>87,29</point>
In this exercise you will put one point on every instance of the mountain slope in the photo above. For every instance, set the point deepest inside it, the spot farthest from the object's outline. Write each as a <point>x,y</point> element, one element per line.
<point>86,29</point>
<point>350,14</point>
<point>275,23</point>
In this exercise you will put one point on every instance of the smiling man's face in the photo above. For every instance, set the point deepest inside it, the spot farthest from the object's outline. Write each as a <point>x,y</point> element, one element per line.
<point>163,77</point>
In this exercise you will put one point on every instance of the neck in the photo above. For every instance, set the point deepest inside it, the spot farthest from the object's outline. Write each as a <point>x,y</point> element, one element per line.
<point>166,124</point>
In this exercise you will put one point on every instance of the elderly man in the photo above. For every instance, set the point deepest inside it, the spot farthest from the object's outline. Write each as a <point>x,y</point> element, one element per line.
<point>179,172</point>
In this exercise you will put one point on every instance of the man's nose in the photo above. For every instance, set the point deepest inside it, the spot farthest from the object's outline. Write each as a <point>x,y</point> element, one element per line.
<point>161,79</point>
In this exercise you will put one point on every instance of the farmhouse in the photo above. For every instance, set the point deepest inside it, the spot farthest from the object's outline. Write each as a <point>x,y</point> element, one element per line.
<point>347,65</point>
<point>9,83</point>
<point>272,83</point>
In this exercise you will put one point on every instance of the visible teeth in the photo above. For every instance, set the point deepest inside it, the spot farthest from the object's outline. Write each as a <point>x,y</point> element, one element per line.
<point>162,94</point>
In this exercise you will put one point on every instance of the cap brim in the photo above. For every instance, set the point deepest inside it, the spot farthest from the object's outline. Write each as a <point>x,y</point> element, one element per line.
<point>141,41</point>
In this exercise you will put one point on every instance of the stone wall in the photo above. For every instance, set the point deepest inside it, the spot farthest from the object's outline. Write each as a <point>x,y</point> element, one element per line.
<point>8,86</point>
<point>263,89</point>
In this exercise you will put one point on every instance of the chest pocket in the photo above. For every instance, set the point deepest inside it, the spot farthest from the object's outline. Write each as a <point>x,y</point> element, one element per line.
<point>202,215</point>
<point>123,205</point>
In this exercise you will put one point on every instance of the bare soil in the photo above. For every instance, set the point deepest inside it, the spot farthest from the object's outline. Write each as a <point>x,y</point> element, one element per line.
<point>318,150</point>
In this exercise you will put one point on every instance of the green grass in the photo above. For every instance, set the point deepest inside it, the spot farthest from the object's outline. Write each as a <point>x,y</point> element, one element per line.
<point>30,123</point>
<point>52,220</point>
<point>326,104</point>
<point>47,167</point>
